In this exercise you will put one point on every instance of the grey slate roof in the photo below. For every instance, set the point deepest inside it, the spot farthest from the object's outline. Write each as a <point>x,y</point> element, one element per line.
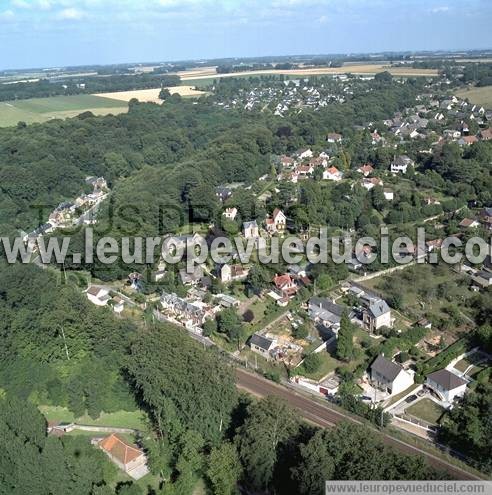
<point>446,379</point>
<point>378,308</point>
<point>386,368</point>
<point>261,341</point>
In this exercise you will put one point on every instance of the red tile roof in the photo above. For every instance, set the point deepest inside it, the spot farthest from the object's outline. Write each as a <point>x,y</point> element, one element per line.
<point>119,449</point>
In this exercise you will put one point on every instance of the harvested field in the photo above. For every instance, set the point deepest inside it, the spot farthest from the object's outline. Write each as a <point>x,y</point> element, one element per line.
<point>478,96</point>
<point>360,69</point>
<point>151,95</point>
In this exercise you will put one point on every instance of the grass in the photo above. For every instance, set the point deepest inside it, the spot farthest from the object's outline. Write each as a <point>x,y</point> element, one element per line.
<point>426,410</point>
<point>44,109</point>
<point>479,96</point>
<point>119,419</point>
<point>328,365</point>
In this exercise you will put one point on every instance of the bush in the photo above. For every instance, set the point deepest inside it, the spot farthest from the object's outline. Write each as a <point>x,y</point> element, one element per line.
<point>301,332</point>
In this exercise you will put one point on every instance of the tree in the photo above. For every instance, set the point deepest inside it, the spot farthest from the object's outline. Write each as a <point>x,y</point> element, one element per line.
<point>301,332</point>
<point>164,93</point>
<point>224,469</point>
<point>209,327</point>
<point>269,423</point>
<point>345,341</point>
<point>229,323</point>
<point>312,363</point>
<point>316,465</point>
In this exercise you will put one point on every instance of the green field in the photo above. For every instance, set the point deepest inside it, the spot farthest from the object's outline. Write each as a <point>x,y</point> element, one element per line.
<point>56,107</point>
<point>479,96</point>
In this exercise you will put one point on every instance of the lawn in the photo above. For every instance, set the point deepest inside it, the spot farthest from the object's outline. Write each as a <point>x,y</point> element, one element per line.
<point>479,96</point>
<point>43,109</point>
<point>427,410</point>
<point>119,419</point>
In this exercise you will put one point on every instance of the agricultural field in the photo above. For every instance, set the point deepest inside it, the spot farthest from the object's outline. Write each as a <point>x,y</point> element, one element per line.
<point>479,96</point>
<point>56,107</point>
<point>361,69</point>
<point>151,95</point>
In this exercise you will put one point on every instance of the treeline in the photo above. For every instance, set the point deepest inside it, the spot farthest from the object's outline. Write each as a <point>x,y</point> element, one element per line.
<point>85,85</point>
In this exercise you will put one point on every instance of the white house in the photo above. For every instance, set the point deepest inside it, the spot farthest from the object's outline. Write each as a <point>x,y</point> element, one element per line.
<point>389,376</point>
<point>262,345</point>
<point>277,222</point>
<point>250,230</point>
<point>230,213</point>
<point>305,153</point>
<point>446,385</point>
<point>400,164</point>
<point>370,183</point>
<point>332,173</point>
<point>333,137</point>
<point>98,296</point>
<point>377,315</point>
<point>389,195</point>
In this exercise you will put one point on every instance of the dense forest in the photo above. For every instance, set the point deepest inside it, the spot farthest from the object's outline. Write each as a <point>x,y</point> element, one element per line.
<point>199,426</point>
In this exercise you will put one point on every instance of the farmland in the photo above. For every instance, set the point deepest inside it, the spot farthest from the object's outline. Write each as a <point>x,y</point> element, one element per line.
<point>479,96</point>
<point>151,95</point>
<point>361,69</point>
<point>56,107</point>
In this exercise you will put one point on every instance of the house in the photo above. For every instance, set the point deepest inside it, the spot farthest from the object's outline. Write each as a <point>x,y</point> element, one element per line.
<point>376,138</point>
<point>389,376</point>
<point>433,244</point>
<point>325,312</point>
<point>366,169</point>
<point>277,222</point>
<point>119,304</point>
<point>486,134</point>
<point>451,134</point>
<point>372,182</point>
<point>231,273</point>
<point>98,295</point>
<point>285,285</point>
<point>389,195</point>
<point>486,217</point>
<point>230,213</point>
<point>401,164</point>
<point>467,140</point>
<point>446,385</point>
<point>287,161</point>
<point>190,314</point>
<point>250,230</point>
<point>127,457</point>
<point>469,223</point>
<point>305,170</point>
<point>377,315</point>
<point>191,278</point>
<point>304,153</point>
<point>483,278</point>
<point>223,193</point>
<point>334,137</point>
<point>262,345</point>
<point>332,173</point>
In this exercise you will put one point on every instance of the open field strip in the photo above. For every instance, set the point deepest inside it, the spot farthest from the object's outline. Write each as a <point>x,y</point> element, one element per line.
<point>151,95</point>
<point>56,107</point>
<point>479,96</point>
<point>359,69</point>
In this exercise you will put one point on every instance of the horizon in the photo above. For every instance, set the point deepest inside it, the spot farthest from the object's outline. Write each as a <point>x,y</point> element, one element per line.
<point>61,33</point>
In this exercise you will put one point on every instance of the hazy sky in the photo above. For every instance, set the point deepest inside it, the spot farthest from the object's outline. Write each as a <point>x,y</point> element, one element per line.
<point>41,33</point>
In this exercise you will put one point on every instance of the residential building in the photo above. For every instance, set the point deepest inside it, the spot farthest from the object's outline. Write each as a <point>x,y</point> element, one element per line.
<point>285,285</point>
<point>262,345</point>
<point>400,164</point>
<point>277,222</point>
<point>325,312</point>
<point>486,217</point>
<point>231,273</point>
<point>366,169</point>
<point>334,137</point>
<point>127,457</point>
<point>98,295</point>
<point>483,278</point>
<point>389,195</point>
<point>446,385</point>
<point>332,173</point>
<point>230,213</point>
<point>469,223</point>
<point>389,376</point>
<point>377,315</point>
<point>250,230</point>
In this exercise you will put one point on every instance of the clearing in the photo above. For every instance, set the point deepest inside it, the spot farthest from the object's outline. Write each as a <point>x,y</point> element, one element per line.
<point>479,96</point>
<point>56,107</point>
<point>151,95</point>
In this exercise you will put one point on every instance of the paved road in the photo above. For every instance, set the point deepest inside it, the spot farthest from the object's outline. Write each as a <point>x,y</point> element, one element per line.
<point>323,415</point>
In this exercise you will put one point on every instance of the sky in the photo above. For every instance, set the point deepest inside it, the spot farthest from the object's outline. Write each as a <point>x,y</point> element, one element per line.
<point>54,33</point>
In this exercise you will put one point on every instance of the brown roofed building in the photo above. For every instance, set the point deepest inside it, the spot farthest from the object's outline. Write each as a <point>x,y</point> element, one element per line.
<point>127,457</point>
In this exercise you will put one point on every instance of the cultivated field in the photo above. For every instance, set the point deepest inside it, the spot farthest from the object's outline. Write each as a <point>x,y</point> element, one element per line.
<point>56,107</point>
<point>479,96</point>
<point>151,95</point>
<point>361,69</point>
